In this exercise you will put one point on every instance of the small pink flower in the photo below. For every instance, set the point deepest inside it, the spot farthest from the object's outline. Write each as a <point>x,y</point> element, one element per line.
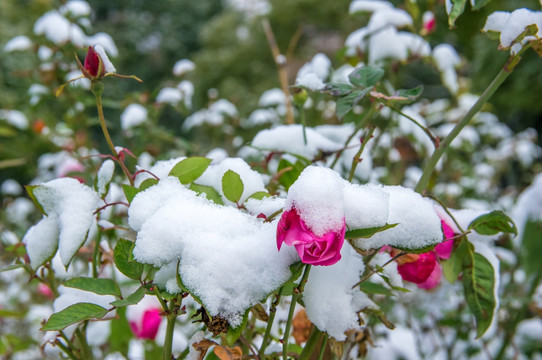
<point>429,22</point>
<point>148,327</point>
<point>420,269</point>
<point>444,249</point>
<point>315,250</point>
<point>433,279</point>
<point>45,291</point>
<point>144,318</point>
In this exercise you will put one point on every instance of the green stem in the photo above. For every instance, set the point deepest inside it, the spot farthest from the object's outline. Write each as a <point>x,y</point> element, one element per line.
<point>66,350</point>
<point>87,352</point>
<point>95,255</point>
<point>439,151</point>
<point>310,344</point>
<point>171,318</point>
<point>297,292</point>
<point>361,124</point>
<point>302,118</point>
<point>272,313</point>
<point>97,91</point>
<point>425,130</point>
<point>323,348</point>
<point>356,159</point>
<point>162,302</point>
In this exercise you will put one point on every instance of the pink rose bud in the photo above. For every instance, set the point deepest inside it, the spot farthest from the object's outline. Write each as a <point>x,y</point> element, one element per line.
<point>45,291</point>
<point>147,328</point>
<point>429,22</point>
<point>444,249</point>
<point>418,270</point>
<point>315,250</point>
<point>93,64</point>
<point>144,318</point>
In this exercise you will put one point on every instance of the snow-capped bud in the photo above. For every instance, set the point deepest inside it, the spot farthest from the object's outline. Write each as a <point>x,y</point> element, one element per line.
<point>94,64</point>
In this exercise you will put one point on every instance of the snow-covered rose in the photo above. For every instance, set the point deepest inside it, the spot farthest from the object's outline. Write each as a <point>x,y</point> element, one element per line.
<point>315,250</point>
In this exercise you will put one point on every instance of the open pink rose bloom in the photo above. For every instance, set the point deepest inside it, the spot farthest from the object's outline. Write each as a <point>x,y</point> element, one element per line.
<point>424,269</point>
<point>315,250</point>
<point>147,327</point>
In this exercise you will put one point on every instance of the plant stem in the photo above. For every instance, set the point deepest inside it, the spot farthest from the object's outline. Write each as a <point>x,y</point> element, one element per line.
<point>171,318</point>
<point>302,118</point>
<point>322,348</point>
<point>432,163</point>
<point>356,159</point>
<point>162,302</point>
<point>95,255</point>
<point>297,292</point>
<point>310,344</point>
<point>87,352</point>
<point>98,94</point>
<point>66,350</point>
<point>272,313</point>
<point>364,117</point>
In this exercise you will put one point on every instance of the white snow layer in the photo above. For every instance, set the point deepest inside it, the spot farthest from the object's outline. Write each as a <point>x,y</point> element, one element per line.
<point>69,206</point>
<point>317,195</point>
<point>183,66</point>
<point>331,303</point>
<point>511,25</point>
<point>108,66</point>
<point>105,174</point>
<point>134,115</point>
<point>365,206</point>
<point>18,43</point>
<point>418,223</point>
<point>227,258</point>
<point>289,138</point>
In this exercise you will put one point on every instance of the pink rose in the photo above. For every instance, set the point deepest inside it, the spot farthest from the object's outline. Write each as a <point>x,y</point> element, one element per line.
<point>418,267</point>
<point>444,249</point>
<point>315,250</point>
<point>144,318</point>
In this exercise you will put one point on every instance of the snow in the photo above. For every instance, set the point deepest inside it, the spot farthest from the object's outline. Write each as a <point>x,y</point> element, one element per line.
<point>446,59</point>
<point>266,206</point>
<point>418,223</point>
<point>58,29</point>
<point>11,187</point>
<point>160,169</point>
<point>317,195</point>
<point>331,303</point>
<point>272,97</point>
<point>105,175</point>
<point>15,118</point>
<point>528,205</point>
<point>182,67</point>
<point>109,68</point>
<point>311,81</point>
<point>134,115</point>
<point>319,65</point>
<point>365,206</point>
<point>227,258</point>
<point>261,116</point>
<point>368,6</point>
<point>69,206</point>
<point>76,8</point>
<point>289,138</point>
<point>105,40</point>
<point>511,25</point>
<point>169,95</point>
<point>217,155</point>
<point>252,180</point>
<point>18,43</point>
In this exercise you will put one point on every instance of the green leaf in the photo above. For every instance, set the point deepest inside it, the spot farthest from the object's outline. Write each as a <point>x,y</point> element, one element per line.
<point>209,192</point>
<point>123,259</point>
<point>453,266</point>
<point>366,76</point>
<point>131,299</point>
<point>30,190</point>
<point>259,195</point>
<point>380,315</point>
<point>339,89</point>
<point>232,186</point>
<point>11,267</point>
<point>234,333</point>
<point>458,6</point>
<point>374,288</point>
<point>368,232</point>
<point>531,247</point>
<point>190,169</point>
<point>346,103</point>
<point>130,192</point>
<point>493,223</point>
<point>147,183</point>
<point>478,285</point>
<point>288,177</point>
<point>478,4</point>
<point>97,286</point>
<point>74,314</point>
<point>407,96</point>
<point>4,313</point>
